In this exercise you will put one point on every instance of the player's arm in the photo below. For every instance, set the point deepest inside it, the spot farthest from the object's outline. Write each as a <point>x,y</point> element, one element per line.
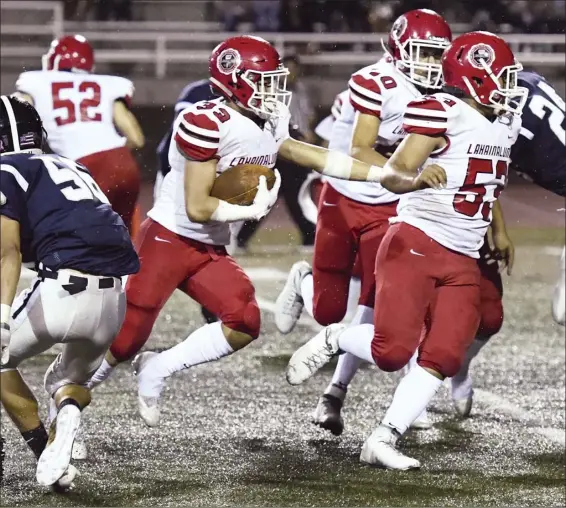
<point>364,137</point>
<point>10,267</point>
<point>127,124</point>
<point>401,173</point>
<point>502,244</point>
<point>328,162</point>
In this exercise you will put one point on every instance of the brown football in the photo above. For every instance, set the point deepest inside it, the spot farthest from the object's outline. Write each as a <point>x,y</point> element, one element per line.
<point>238,185</point>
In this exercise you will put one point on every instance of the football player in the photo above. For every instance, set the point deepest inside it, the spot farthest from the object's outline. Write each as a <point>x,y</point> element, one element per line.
<point>428,270</point>
<point>248,124</point>
<point>88,119</point>
<point>53,214</point>
<point>353,217</point>
<point>538,155</point>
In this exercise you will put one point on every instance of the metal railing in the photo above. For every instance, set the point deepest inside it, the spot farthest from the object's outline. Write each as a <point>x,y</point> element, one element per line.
<point>530,49</point>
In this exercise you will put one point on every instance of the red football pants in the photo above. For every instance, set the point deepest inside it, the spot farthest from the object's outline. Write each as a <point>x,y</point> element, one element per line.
<point>418,279</point>
<point>491,297</point>
<point>345,229</point>
<point>204,272</point>
<point>116,172</point>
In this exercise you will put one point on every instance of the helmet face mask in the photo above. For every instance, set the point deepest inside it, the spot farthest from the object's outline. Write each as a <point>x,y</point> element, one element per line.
<point>248,71</point>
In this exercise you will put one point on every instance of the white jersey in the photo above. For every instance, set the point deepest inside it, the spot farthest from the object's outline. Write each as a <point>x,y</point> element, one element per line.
<point>379,90</point>
<point>77,109</point>
<point>205,131</point>
<point>476,160</point>
<point>324,129</point>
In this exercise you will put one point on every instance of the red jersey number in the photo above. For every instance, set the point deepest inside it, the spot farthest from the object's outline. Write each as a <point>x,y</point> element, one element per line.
<point>473,200</point>
<point>387,81</point>
<point>220,113</point>
<point>86,108</point>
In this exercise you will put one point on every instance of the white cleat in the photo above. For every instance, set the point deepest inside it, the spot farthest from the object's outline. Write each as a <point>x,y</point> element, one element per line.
<point>65,483</point>
<point>55,459</point>
<point>80,451</point>
<point>289,303</point>
<point>380,449</point>
<point>422,422</point>
<point>147,406</point>
<point>462,395</point>
<point>314,355</point>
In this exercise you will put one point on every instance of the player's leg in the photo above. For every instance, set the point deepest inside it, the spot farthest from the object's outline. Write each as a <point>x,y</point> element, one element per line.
<point>491,320</point>
<point>238,325</point>
<point>89,321</point>
<point>322,290</point>
<point>440,356</point>
<point>146,292</point>
<point>559,299</point>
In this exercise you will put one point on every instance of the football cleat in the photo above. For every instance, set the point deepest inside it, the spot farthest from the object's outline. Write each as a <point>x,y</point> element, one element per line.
<point>289,303</point>
<point>462,395</point>
<point>380,449</point>
<point>55,459</point>
<point>314,355</point>
<point>327,414</point>
<point>80,451</point>
<point>147,406</point>
<point>65,483</point>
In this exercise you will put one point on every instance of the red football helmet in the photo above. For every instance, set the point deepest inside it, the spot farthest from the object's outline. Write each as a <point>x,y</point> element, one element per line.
<point>482,65</point>
<point>415,37</point>
<point>248,71</point>
<point>71,52</point>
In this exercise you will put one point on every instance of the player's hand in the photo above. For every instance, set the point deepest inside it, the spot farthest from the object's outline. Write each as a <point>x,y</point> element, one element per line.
<point>5,335</point>
<point>504,250</point>
<point>262,201</point>
<point>433,177</point>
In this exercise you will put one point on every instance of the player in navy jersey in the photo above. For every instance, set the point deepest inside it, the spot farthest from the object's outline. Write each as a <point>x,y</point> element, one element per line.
<point>52,213</point>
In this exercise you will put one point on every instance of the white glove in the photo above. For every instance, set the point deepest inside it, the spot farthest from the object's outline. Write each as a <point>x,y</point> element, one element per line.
<point>5,335</point>
<point>274,192</point>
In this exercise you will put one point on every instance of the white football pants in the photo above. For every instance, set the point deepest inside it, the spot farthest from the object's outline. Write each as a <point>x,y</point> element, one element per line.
<point>559,300</point>
<point>85,323</point>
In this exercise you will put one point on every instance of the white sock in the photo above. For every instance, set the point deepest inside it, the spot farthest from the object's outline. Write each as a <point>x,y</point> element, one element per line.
<point>101,374</point>
<point>471,353</point>
<point>204,345</point>
<point>357,341</point>
<point>353,297</point>
<point>348,364</point>
<point>411,398</point>
<point>307,293</point>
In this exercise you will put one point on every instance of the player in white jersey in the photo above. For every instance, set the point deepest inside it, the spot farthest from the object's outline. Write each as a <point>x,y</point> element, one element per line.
<point>87,119</point>
<point>428,270</point>
<point>182,243</point>
<point>354,216</point>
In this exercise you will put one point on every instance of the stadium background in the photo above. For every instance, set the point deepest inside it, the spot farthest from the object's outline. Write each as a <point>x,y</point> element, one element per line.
<point>234,433</point>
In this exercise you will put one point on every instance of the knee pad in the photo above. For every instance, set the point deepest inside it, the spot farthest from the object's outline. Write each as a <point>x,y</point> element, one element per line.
<point>327,311</point>
<point>390,358</point>
<point>445,361</point>
<point>247,319</point>
<point>491,319</point>
<point>134,333</point>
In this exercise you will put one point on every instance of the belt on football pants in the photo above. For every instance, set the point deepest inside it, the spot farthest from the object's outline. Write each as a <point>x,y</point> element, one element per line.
<point>76,283</point>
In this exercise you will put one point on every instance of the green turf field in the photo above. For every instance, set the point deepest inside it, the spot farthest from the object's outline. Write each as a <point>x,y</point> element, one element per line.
<point>235,433</point>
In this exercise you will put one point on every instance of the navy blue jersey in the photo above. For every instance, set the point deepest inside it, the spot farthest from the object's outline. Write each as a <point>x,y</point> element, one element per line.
<point>191,94</point>
<point>540,150</point>
<point>65,219</point>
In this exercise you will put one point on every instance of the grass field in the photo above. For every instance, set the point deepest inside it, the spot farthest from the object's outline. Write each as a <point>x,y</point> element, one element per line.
<point>235,433</point>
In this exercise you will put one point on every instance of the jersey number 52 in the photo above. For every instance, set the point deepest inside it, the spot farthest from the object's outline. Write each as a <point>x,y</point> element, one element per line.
<point>86,111</point>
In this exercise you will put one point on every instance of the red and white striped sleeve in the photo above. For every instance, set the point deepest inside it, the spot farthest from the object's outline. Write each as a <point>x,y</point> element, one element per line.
<point>197,136</point>
<point>427,116</point>
<point>365,95</point>
<point>336,108</point>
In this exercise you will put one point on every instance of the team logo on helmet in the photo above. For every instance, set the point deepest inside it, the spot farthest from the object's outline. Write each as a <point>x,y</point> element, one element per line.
<point>399,27</point>
<point>228,61</point>
<point>481,54</point>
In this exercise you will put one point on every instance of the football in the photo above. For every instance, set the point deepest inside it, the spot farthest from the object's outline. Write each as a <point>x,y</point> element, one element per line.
<point>238,185</point>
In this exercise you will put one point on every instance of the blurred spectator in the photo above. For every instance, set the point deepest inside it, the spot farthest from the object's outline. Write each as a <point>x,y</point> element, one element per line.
<point>266,15</point>
<point>119,10</point>
<point>76,10</point>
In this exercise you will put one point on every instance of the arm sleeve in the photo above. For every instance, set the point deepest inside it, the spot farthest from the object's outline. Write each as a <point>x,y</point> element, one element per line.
<point>426,116</point>
<point>365,95</point>
<point>197,136</point>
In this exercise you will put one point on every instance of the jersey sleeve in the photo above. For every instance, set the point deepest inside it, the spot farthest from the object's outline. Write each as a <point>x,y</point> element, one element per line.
<point>13,188</point>
<point>427,116</point>
<point>124,90</point>
<point>197,136</point>
<point>365,94</point>
<point>26,83</point>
